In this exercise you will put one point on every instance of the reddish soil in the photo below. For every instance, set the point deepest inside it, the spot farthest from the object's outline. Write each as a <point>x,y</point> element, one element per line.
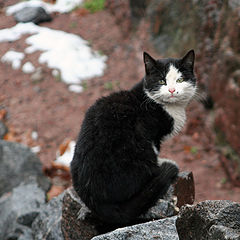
<point>56,114</point>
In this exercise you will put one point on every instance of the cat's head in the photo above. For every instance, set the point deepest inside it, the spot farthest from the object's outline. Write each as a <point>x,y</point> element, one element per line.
<point>170,80</point>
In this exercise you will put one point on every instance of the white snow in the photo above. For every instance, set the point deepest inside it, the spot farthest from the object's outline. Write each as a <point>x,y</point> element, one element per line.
<point>75,88</point>
<point>62,6</point>
<point>16,32</point>
<point>36,149</point>
<point>66,52</point>
<point>28,67</point>
<point>55,73</point>
<point>14,58</point>
<point>34,135</point>
<point>66,158</point>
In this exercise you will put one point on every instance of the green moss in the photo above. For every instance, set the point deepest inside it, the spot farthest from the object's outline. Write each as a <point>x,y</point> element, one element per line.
<point>194,150</point>
<point>94,5</point>
<point>108,86</point>
<point>84,85</point>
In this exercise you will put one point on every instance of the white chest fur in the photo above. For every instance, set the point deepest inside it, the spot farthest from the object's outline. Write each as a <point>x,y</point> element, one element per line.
<point>177,112</point>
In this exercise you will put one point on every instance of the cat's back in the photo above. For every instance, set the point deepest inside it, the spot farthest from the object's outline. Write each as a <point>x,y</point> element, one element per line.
<point>117,108</point>
<point>108,123</point>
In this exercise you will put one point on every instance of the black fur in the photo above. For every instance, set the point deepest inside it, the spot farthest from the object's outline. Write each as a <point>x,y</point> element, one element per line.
<point>114,168</point>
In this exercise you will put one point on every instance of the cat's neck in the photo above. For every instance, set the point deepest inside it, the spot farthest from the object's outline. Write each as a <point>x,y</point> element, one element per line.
<point>175,110</point>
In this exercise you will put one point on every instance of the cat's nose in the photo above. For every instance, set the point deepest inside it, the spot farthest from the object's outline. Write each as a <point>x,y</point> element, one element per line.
<point>172,90</point>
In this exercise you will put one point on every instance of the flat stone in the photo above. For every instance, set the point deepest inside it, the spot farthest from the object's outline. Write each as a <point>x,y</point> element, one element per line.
<point>163,229</point>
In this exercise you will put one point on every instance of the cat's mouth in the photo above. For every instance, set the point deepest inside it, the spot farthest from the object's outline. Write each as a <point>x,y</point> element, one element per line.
<point>170,99</point>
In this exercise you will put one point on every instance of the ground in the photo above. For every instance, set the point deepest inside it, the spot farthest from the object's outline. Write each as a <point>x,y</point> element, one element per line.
<point>48,107</point>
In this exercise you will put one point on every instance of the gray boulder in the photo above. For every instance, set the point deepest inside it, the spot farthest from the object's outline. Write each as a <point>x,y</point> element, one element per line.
<point>163,229</point>
<point>32,14</point>
<point>18,210</point>
<point>47,224</point>
<point>3,129</point>
<point>18,164</point>
<point>209,220</point>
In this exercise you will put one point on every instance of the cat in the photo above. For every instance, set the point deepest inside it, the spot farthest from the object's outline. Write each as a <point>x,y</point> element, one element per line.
<point>115,168</point>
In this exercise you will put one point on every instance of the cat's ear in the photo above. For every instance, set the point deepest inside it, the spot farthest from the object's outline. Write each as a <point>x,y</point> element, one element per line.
<point>149,62</point>
<point>188,59</point>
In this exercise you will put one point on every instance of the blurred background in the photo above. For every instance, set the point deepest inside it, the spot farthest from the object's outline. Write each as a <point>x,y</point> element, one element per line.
<point>44,94</point>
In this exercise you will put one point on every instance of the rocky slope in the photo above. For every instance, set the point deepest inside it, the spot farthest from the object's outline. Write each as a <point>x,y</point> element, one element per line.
<point>212,29</point>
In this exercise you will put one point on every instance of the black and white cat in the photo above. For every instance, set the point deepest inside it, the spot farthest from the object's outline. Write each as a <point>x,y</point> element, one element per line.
<point>115,169</point>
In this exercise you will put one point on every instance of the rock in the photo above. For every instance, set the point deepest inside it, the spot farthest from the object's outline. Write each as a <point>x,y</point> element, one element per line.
<point>83,227</point>
<point>164,229</point>
<point>3,129</point>
<point>209,220</point>
<point>216,41</point>
<point>18,164</point>
<point>47,224</point>
<point>162,209</point>
<point>18,210</point>
<point>184,189</point>
<point>74,227</point>
<point>220,233</point>
<point>32,14</point>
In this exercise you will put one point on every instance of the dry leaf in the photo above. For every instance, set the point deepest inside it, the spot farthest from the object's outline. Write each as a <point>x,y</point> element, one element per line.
<point>63,146</point>
<point>187,149</point>
<point>50,1</point>
<point>3,114</point>
<point>55,191</point>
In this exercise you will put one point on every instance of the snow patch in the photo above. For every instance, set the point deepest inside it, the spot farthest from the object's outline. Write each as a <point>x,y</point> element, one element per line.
<point>75,88</point>
<point>61,6</point>
<point>16,32</point>
<point>66,52</point>
<point>34,135</point>
<point>66,158</point>
<point>13,57</point>
<point>28,67</point>
<point>36,149</point>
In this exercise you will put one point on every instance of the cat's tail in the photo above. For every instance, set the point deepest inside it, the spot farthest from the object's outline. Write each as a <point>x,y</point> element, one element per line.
<point>126,213</point>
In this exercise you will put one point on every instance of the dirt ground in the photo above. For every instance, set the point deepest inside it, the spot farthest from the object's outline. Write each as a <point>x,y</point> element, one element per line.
<point>48,108</point>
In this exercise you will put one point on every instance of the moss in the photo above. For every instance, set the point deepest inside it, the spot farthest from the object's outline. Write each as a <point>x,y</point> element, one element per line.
<point>94,5</point>
<point>108,86</point>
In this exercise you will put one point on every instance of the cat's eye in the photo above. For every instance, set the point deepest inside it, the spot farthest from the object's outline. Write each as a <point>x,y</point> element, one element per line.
<point>180,80</point>
<point>162,82</point>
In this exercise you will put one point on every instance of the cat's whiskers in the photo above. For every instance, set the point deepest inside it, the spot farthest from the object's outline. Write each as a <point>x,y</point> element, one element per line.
<point>199,96</point>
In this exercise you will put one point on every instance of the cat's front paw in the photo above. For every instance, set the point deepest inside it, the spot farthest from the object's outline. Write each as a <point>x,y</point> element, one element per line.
<point>170,169</point>
<point>164,160</point>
